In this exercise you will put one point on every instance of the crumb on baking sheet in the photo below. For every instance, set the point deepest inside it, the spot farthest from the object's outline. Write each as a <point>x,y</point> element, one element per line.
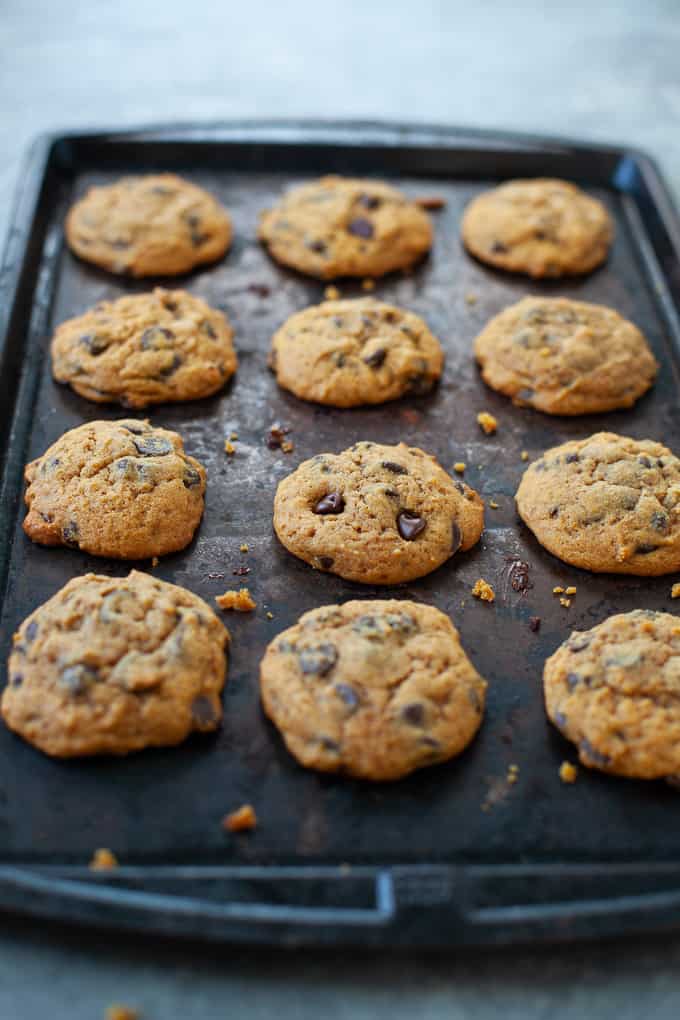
<point>155,561</point>
<point>459,467</point>
<point>558,590</point>
<point>242,820</point>
<point>493,504</point>
<point>568,772</point>
<point>565,603</point>
<point>331,293</point>
<point>240,571</point>
<point>675,591</point>
<point>534,623</point>
<point>571,590</point>
<point>119,1012</point>
<point>431,202</point>
<point>276,438</point>
<point>524,455</point>
<point>239,600</point>
<point>483,590</point>
<point>229,448</point>
<point>487,423</point>
<point>471,298</point>
<point>244,547</point>
<point>269,615</point>
<point>513,774</point>
<point>368,284</point>
<point>103,859</point>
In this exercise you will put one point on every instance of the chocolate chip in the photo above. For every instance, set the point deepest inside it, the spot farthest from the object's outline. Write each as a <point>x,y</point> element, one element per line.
<point>153,446</point>
<point>644,548</point>
<point>396,469</point>
<point>498,248</point>
<point>589,752</point>
<point>172,367</point>
<point>554,511</point>
<point>17,680</point>
<point>331,503</point>
<point>137,428</point>
<point>339,359</point>
<point>413,714</point>
<point>518,575</point>
<point>326,562</point>
<point>48,466</point>
<point>369,201</point>
<point>330,745</point>
<point>31,631</point>
<point>194,224</point>
<point>348,695</point>
<point>376,358</point>
<point>360,228</point>
<point>534,623</point>
<point>155,338</point>
<point>119,243</point>
<point>70,533</point>
<point>645,461</point>
<point>317,246</point>
<point>94,344</point>
<point>659,521</point>
<point>338,321</point>
<point>573,680</point>
<point>76,679</point>
<point>560,720</point>
<point>571,458</point>
<point>285,647</point>
<point>208,329</point>
<point>202,711</point>
<point>403,623</point>
<point>191,477</point>
<point>319,659</point>
<point>456,537</point>
<point>410,524</point>
<point>525,394</point>
<point>276,436</point>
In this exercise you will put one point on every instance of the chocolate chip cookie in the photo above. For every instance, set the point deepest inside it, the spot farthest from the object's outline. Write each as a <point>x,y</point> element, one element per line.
<point>156,225</point>
<point>145,349</point>
<point>341,226</point>
<point>348,353</point>
<point>372,689</point>
<point>111,665</point>
<point>614,691</point>
<point>542,227</point>
<point>115,488</point>
<point>565,357</point>
<point>376,514</point>
<point>607,503</point>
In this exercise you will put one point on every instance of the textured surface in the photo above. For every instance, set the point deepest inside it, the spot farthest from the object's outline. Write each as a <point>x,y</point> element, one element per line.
<point>540,227</point>
<point>614,691</point>
<point>109,666</point>
<point>153,225</point>
<point>565,357</point>
<point>122,489</point>
<point>145,349</point>
<point>374,689</point>
<point>348,353</point>
<point>606,503</point>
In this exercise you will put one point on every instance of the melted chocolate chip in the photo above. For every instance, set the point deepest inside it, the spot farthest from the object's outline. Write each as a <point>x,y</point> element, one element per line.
<point>413,714</point>
<point>153,446</point>
<point>94,344</point>
<point>645,461</point>
<point>317,246</point>
<point>560,720</point>
<point>326,562</point>
<point>594,756</point>
<point>554,511</point>
<point>396,469</point>
<point>17,680</point>
<point>191,477</point>
<point>418,384</point>
<point>208,329</point>
<point>156,338</point>
<point>498,248</point>
<point>410,525</point>
<point>76,679</point>
<point>31,631</point>
<point>456,537</point>
<point>360,228</point>
<point>369,201</point>
<point>573,680</point>
<point>331,503</point>
<point>318,660</point>
<point>70,533</point>
<point>518,576</point>
<point>202,711</point>
<point>644,548</point>
<point>534,623</point>
<point>376,358</point>
<point>571,458</point>
<point>348,695</point>
<point>137,428</point>
<point>659,521</point>
<point>172,367</point>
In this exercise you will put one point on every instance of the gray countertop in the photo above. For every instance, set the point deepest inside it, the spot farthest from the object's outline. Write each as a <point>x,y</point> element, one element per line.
<point>604,72</point>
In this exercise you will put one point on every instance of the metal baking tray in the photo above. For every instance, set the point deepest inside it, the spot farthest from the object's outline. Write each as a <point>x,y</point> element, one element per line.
<point>453,854</point>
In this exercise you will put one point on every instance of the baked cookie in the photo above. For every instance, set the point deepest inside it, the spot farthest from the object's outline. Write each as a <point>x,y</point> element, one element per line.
<point>565,357</point>
<point>377,514</point>
<point>343,226</point>
<point>614,691</point>
<point>607,503</point>
<point>348,353</point>
<point>542,227</point>
<point>372,689</point>
<point>145,349</point>
<point>115,488</point>
<point>155,225</point>
<point>110,665</point>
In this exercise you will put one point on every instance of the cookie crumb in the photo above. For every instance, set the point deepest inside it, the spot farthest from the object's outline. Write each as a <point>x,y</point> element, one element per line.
<point>261,289</point>
<point>535,623</point>
<point>240,571</point>
<point>269,615</point>
<point>558,590</point>
<point>568,772</point>
<point>459,467</point>
<point>233,435</point>
<point>368,284</point>
<point>287,446</point>
<point>103,860</point>
<point>513,774</point>
<point>565,602</point>
<point>470,298</point>
<point>242,820</point>
<point>238,600</point>
<point>675,591</point>
<point>493,504</point>
<point>571,590</point>
<point>276,438</point>
<point>155,561</point>
<point>431,202</point>
<point>487,423</point>
<point>483,591</point>
<point>229,448</point>
<point>119,1012</point>
<point>331,293</point>
<point>244,547</point>
<point>524,455</point>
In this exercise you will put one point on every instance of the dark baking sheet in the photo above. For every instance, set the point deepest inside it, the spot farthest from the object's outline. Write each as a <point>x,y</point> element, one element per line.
<point>453,853</point>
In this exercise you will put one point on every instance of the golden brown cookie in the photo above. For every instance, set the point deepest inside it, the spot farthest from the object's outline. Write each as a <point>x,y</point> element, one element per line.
<point>115,488</point>
<point>614,691</point>
<point>607,503</point>
<point>376,514</point>
<point>541,226</point>
<point>145,349</point>
<point>348,353</point>
<point>565,357</point>
<point>155,225</point>
<point>374,689</point>
<point>343,226</point>
<point>111,665</point>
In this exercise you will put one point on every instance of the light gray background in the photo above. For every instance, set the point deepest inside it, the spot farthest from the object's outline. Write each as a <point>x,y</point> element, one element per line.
<point>605,71</point>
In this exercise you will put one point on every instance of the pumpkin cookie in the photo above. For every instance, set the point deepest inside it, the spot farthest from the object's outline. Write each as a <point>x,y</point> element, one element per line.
<point>115,488</point>
<point>614,691</point>
<point>374,689</point>
<point>376,514</point>
<point>145,349</point>
<point>606,503</point>
<point>342,226</point>
<point>542,227</point>
<point>348,353</point>
<point>112,665</point>
<point>156,225</point>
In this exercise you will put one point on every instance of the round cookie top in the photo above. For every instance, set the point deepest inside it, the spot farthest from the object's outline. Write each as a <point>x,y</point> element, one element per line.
<point>145,349</point>
<point>606,503</point>
<point>541,226</point>
<point>155,225</point>
<point>614,691</point>
<point>348,353</point>
<point>374,689</point>
<point>110,665</point>
<point>376,514</point>
<point>565,357</point>
<point>343,226</point>
<point>115,488</point>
